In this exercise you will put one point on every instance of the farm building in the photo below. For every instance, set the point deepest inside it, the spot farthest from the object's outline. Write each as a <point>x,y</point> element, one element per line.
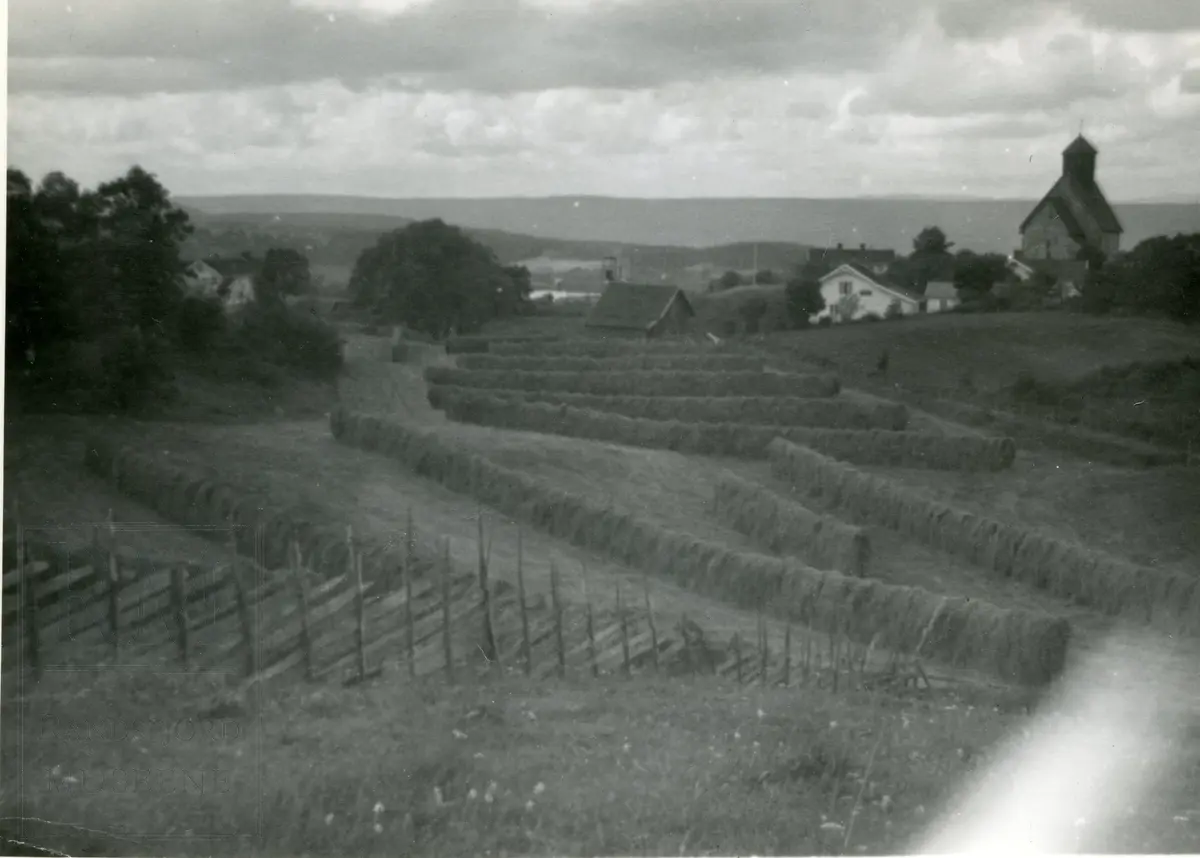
<point>230,280</point>
<point>1074,214</point>
<point>940,295</point>
<point>641,309</point>
<point>822,260</point>
<point>852,292</point>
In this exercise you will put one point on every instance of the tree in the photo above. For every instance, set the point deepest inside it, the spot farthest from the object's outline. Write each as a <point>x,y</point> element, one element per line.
<point>433,278</point>
<point>976,273</point>
<point>803,300</point>
<point>729,280</point>
<point>752,312</point>
<point>1161,276</point>
<point>283,272</point>
<point>931,241</point>
<point>766,277</point>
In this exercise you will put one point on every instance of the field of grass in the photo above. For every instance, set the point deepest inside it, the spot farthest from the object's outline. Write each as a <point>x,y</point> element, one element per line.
<point>648,765</point>
<point>992,349</point>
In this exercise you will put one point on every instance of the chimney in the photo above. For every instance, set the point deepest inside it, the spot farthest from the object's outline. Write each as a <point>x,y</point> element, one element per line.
<point>862,246</point>
<point>839,245</point>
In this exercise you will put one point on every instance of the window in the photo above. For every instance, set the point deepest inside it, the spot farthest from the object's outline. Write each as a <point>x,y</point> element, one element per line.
<point>865,292</point>
<point>844,287</point>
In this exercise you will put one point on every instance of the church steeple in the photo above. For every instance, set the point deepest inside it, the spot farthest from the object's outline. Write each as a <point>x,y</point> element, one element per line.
<point>1079,161</point>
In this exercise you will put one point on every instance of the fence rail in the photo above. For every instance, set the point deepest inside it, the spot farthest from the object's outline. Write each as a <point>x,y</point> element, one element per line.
<point>266,623</point>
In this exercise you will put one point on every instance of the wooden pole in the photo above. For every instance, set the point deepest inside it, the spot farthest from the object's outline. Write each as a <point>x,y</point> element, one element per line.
<point>787,654</point>
<point>29,616</point>
<point>525,647</point>
<point>762,648</point>
<point>737,654</point>
<point>591,627</point>
<point>296,561</point>
<point>490,651</point>
<point>409,566</point>
<point>360,638</point>
<point>650,618</point>
<point>624,631</point>
<point>558,621</point>
<point>447,649</point>
<point>243,605</point>
<point>114,589</point>
<point>179,604</point>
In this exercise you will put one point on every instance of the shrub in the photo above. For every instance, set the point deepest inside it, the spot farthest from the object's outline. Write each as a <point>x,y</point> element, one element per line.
<point>200,323</point>
<point>286,338</point>
<point>824,322</point>
<point>134,370</point>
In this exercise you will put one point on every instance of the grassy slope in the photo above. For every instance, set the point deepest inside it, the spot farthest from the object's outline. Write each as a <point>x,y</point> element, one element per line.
<point>659,766</point>
<point>937,352</point>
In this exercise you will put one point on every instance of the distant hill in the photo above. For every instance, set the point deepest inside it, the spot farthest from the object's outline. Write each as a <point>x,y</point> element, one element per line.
<point>594,224</point>
<point>332,242</point>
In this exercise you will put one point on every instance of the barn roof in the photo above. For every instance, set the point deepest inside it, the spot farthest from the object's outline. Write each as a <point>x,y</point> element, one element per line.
<point>634,306</point>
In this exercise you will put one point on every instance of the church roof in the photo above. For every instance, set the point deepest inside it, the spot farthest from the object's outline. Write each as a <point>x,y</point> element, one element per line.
<point>1080,146</point>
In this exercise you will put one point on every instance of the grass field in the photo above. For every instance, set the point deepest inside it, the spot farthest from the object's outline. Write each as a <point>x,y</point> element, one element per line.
<point>640,766</point>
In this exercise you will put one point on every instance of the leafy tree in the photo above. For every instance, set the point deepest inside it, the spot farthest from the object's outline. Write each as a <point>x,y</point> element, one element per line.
<point>847,306</point>
<point>752,312</point>
<point>1161,276</point>
<point>976,273</point>
<point>283,272</point>
<point>433,278</point>
<point>729,280</point>
<point>803,300</point>
<point>766,277</point>
<point>931,241</point>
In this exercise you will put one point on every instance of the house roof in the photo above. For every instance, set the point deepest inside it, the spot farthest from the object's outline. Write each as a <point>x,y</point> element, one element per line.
<point>941,289</point>
<point>1087,197</point>
<point>236,267</point>
<point>882,281</point>
<point>634,306</point>
<point>831,257</point>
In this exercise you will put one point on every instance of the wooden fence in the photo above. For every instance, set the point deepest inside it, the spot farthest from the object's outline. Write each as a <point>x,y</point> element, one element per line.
<point>265,623</point>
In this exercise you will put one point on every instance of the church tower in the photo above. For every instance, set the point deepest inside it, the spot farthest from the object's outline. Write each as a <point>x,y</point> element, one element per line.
<point>1079,161</point>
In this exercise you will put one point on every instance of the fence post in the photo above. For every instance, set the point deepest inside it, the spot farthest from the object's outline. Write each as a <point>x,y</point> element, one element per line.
<point>787,654</point>
<point>650,618</point>
<point>179,603</point>
<point>447,648</point>
<point>29,614</point>
<point>296,561</point>
<point>114,589</point>
<point>591,628</point>
<point>243,605</point>
<point>525,645</point>
<point>558,621</point>
<point>360,636</point>
<point>624,632</point>
<point>737,654</point>
<point>490,650</point>
<point>762,643</point>
<point>410,638</point>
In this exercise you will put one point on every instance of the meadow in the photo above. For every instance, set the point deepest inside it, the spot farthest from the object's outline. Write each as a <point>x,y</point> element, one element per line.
<point>750,491</point>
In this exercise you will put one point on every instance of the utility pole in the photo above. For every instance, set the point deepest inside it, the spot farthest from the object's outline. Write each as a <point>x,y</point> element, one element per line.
<point>755,263</point>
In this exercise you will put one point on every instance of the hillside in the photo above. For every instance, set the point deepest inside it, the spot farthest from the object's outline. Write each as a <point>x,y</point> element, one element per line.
<point>333,240</point>
<point>981,225</point>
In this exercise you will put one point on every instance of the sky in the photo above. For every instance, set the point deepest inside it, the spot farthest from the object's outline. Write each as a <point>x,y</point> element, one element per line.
<point>635,98</point>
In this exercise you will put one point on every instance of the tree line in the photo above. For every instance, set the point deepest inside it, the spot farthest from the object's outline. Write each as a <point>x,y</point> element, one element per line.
<point>98,316</point>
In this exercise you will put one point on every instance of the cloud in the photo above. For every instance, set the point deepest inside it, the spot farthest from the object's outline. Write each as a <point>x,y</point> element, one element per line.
<point>981,19</point>
<point>1056,65</point>
<point>129,46</point>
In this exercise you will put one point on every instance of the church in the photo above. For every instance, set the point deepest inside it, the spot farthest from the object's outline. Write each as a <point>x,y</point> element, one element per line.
<point>1073,216</point>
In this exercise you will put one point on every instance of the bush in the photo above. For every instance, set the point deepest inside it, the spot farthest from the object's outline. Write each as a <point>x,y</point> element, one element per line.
<point>134,370</point>
<point>200,323</point>
<point>288,339</point>
<point>824,322</point>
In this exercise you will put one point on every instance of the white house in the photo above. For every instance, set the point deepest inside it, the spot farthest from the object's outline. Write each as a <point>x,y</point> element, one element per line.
<point>940,295</point>
<point>229,280</point>
<point>851,292</point>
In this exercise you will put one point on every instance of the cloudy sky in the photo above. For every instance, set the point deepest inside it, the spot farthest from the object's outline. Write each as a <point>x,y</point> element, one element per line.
<point>679,98</point>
